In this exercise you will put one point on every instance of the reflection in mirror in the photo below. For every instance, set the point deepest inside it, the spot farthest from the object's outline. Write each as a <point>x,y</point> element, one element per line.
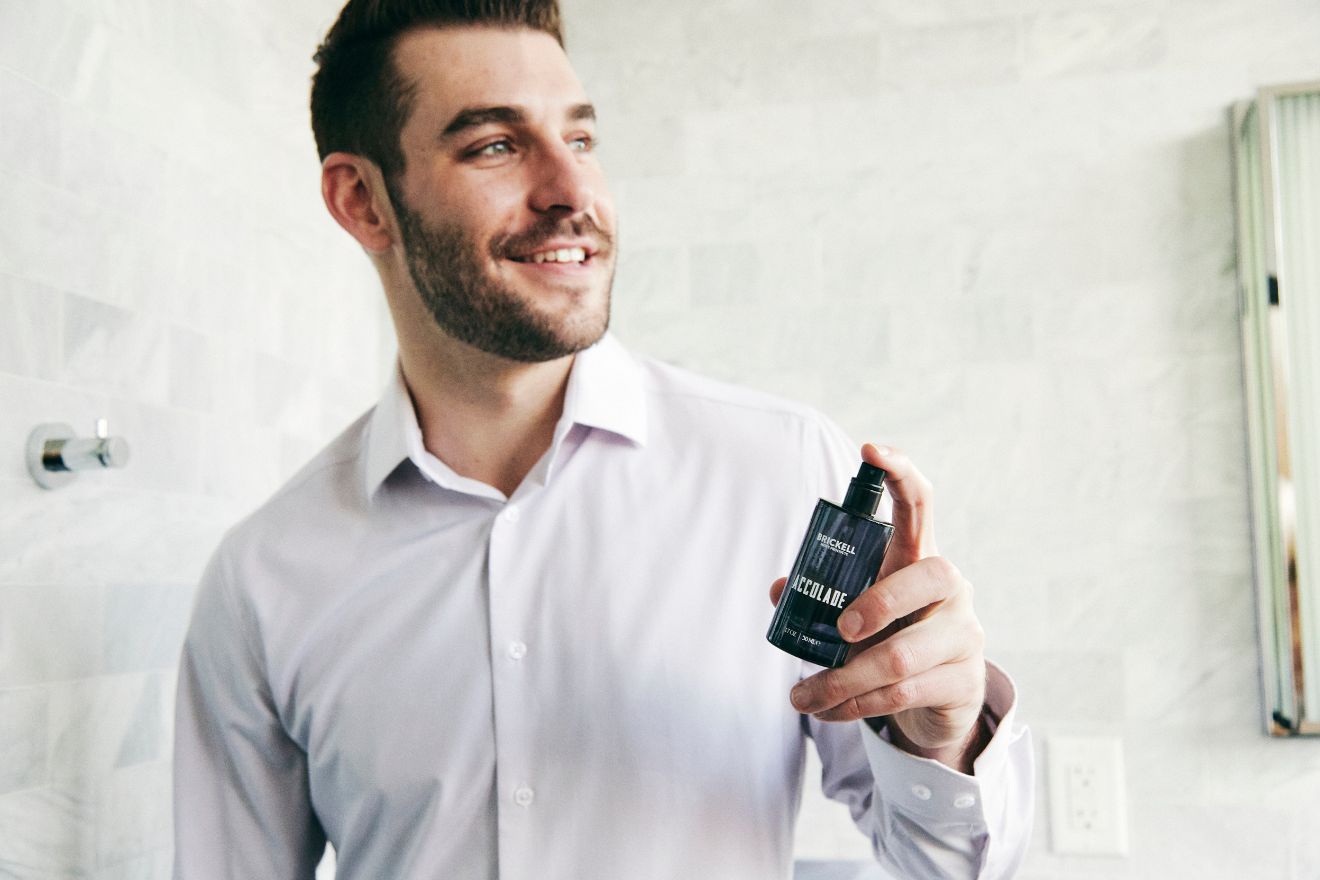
<point>1276,142</point>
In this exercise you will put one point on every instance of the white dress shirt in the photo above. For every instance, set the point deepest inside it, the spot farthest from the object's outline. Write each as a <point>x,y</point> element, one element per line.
<point>571,682</point>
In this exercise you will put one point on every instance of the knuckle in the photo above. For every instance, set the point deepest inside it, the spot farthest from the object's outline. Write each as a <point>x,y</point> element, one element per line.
<point>882,603</point>
<point>901,659</point>
<point>905,694</point>
<point>831,690</point>
<point>941,568</point>
<point>976,635</point>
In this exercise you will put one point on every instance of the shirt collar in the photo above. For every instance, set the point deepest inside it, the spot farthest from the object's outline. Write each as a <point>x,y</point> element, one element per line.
<point>604,391</point>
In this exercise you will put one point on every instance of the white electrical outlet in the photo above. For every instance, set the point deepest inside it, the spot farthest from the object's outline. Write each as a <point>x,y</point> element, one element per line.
<point>1088,800</point>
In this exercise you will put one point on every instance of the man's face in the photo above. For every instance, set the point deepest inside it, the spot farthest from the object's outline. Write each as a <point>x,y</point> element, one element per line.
<point>506,222</point>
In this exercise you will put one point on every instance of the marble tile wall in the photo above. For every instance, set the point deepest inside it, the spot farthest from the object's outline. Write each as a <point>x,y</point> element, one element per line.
<point>165,262</point>
<point>994,232</point>
<point>997,233</point>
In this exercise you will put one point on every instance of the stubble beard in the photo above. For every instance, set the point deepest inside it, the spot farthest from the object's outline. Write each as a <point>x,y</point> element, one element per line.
<point>471,306</point>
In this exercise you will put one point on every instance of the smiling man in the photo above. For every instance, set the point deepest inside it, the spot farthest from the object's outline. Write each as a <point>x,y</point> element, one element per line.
<point>511,622</point>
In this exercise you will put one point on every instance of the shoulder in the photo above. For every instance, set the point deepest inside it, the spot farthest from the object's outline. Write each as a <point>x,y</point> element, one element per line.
<point>325,493</point>
<point>743,437</point>
<point>711,406</point>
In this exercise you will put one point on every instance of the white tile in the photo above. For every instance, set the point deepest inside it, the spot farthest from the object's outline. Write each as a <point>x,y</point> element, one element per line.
<point>1061,685</point>
<point>32,316</point>
<point>164,446</point>
<point>99,724</point>
<point>156,865</point>
<point>133,812</point>
<point>24,719</point>
<point>193,375</point>
<point>1093,40</point>
<point>51,632</point>
<point>115,351</point>
<point>139,536</point>
<point>285,394</point>
<point>50,43</point>
<point>965,53</point>
<point>144,625</point>
<point>49,831</point>
<point>51,237</point>
<point>32,125</point>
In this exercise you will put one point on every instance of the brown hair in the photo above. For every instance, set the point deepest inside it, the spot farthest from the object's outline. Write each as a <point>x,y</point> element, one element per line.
<point>360,100</point>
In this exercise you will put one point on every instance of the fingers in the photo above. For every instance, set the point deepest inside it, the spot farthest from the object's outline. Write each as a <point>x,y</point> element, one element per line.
<point>913,500</point>
<point>776,590</point>
<point>950,685</point>
<point>905,593</point>
<point>934,663</point>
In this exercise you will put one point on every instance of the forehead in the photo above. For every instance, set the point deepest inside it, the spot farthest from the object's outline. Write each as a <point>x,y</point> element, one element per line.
<point>454,68</point>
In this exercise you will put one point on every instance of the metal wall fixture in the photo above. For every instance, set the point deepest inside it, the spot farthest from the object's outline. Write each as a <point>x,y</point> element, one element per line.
<point>55,453</point>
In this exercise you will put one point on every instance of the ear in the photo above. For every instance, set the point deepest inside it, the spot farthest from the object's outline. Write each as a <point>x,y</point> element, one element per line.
<point>354,192</point>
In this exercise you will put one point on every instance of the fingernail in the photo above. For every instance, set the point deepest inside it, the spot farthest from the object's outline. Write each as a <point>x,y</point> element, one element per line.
<point>849,623</point>
<point>798,696</point>
<point>883,450</point>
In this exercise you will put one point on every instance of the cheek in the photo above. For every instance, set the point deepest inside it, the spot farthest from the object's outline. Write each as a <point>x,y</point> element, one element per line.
<point>604,204</point>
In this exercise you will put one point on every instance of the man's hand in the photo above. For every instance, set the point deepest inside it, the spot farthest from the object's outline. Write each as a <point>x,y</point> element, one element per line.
<point>917,656</point>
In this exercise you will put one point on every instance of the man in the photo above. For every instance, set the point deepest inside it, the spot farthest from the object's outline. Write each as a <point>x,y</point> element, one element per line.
<point>511,622</point>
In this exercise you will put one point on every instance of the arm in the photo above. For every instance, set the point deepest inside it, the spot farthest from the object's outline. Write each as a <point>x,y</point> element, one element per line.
<point>241,801</point>
<point>924,819</point>
<point>949,791</point>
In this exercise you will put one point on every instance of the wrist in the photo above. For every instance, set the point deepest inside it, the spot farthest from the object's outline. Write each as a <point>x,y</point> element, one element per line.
<point>960,755</point>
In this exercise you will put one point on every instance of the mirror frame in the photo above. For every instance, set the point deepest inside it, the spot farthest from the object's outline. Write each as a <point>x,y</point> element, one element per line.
<point>1270,401</point>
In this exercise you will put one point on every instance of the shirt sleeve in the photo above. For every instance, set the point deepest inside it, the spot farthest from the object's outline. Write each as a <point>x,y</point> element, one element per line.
<point>241,802</point>
<point>926,820</point>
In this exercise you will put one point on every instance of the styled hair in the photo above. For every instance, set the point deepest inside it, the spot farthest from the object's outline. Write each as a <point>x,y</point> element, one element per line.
<point>360,100</point>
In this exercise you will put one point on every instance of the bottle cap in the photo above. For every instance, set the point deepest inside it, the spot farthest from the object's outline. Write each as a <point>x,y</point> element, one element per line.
<point>864,490</point>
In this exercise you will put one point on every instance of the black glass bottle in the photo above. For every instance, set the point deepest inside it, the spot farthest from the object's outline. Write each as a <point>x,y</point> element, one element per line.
<point>840,557</point>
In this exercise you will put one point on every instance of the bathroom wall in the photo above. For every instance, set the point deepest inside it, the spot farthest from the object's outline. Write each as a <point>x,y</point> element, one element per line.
<point>995,233</point>
<point>998,234</point>
<point>165,263</point>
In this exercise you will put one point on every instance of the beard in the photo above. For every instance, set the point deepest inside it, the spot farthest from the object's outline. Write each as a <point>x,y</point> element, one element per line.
<point>472,306</point>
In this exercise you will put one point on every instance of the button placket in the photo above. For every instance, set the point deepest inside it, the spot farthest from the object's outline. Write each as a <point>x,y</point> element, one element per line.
<point>514,758</point>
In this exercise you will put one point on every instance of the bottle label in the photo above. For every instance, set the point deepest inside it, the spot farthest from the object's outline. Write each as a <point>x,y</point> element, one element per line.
<point>818,591</point>
<point>836,545</point>
<point>839,558</point>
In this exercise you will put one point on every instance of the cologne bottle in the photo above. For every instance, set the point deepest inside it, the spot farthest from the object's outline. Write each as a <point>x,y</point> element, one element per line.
<point>840,557</point>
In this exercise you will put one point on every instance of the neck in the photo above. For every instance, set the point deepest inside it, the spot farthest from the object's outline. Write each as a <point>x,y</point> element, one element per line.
<point>486,417</point>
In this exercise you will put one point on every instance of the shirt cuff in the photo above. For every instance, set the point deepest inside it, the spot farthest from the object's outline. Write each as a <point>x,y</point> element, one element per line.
<point>925,787</point>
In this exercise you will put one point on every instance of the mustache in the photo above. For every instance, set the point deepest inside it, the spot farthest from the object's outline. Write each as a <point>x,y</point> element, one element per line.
<point>548,229</point>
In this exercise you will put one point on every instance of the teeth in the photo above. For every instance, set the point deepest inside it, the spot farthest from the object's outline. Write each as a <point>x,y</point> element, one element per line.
<point>563,255</point>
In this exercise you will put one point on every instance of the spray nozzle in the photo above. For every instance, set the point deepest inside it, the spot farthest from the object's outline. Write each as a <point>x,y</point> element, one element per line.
<point>865,490</point>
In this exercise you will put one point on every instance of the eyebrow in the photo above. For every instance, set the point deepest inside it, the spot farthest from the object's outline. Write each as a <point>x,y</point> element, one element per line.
<point>474,117</point>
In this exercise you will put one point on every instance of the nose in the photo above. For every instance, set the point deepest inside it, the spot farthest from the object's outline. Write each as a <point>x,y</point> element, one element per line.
<point>565,182</point>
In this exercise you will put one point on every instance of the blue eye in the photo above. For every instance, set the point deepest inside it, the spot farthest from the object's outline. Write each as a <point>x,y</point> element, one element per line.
<point>583,144</point>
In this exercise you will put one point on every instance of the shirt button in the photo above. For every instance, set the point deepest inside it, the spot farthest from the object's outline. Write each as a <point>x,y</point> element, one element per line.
<point>510,514</point>
<point>517,650</point>
<point>963,801</point>
<point>921,792</point>
<point>524,796</point>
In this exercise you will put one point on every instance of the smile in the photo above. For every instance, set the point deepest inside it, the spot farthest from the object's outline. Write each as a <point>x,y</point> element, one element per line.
<point>556,255</point>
